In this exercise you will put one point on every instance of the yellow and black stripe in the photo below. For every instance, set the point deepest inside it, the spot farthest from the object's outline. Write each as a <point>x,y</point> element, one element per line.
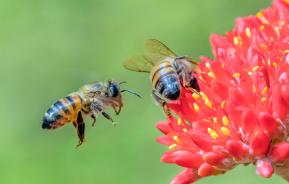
<point>61,112</point>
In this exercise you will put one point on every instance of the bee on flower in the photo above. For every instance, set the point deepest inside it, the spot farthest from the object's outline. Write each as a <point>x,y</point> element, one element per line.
<point>241,113</point>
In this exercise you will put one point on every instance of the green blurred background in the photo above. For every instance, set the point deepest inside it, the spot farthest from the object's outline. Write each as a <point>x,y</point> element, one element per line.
<point>50,48</point>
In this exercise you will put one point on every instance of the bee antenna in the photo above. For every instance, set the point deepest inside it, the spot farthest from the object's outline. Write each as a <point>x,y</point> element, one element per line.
<point>122,82</point>
<point>131,92</point>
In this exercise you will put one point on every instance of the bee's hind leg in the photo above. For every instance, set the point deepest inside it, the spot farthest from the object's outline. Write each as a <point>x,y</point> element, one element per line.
<point>163,103</point>
<point>94,119</point>
<point>80,127</point>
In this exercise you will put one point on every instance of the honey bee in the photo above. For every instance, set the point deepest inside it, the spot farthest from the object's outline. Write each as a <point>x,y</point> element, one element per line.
<point>91,100</point>
<point>167,71</point>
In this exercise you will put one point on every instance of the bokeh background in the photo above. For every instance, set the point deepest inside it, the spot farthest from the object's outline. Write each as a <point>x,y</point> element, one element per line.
<point>50,48</point>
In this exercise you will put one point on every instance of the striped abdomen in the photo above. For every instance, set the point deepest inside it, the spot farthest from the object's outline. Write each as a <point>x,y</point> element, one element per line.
<point>166,80</point>
<point>61,112</point>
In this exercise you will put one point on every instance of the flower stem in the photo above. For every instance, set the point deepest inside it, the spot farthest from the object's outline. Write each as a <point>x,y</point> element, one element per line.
<point>283,171</point>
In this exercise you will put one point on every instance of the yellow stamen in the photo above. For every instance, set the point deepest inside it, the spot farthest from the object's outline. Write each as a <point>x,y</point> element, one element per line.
<point>264,90</point>
<point>212,75</point>
<point>255,68</point>
<point>248,32</point>
<point>176,138</point>
<point>263,46</point>
<point>250,73</point>
<point>208,65</point>
<point>196,96</point>
<point>223,104</point>
<point>209,103</point>
<point>254,89</point>
<point>225,120</point>
<point>235,40</point>
<point>225,131</point>
<point>196,107</point>
<point>236,75</point>
<point>262,27</point>
<point>173,146</point>
<point>275,64</point>
<point>213,133</point>
<point>260,14</point>
<point>263,99</point>
<point>185,130</point>
<point>204,96</point>
<point>180,122</point>
<point>286,51</point>
<point>215,119</point>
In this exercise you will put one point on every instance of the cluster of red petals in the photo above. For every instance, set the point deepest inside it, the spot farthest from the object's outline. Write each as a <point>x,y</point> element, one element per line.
<point>241,114</point>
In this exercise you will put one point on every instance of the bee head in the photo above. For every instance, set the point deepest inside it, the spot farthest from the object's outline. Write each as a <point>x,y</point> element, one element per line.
<point>113,89</point>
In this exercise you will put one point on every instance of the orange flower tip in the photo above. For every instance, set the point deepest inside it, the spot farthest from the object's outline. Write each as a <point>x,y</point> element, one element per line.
<point>262,27</point>
<point>264,168</point>
<point>205,170</point>
<point>225,131</point>
<point>215,119</point>
<point>236,75</point>
<point>260,144</point>
<point>196,107</point>
<point>280,152</point>
<point>213,133</point>
<point>225,120</point>
<point>195,96</point>
<point>286,1</point>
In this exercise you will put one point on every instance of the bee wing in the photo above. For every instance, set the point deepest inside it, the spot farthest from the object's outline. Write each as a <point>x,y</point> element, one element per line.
<point>191,60</point>
<point>156,51</point>
<point>138,64</point>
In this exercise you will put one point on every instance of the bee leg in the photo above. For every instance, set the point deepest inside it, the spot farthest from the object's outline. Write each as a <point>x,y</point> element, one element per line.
<point>94,119</point>
<point>163,103</point>
<point>80,127</point>
<point>117,111</point>
<point>107,116</point>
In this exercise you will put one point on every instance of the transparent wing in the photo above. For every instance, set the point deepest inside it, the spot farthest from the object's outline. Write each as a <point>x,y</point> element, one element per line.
<point>155,51</point>
<point>138,64</point>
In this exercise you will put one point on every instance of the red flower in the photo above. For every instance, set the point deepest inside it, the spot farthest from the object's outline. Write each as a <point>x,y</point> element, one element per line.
<point>241,115</point>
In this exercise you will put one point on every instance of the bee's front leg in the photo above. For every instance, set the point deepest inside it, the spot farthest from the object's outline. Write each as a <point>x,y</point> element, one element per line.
<point>162,102</point>
<point>189,81</point>
<point>80,127</point>
<point>117,111</point>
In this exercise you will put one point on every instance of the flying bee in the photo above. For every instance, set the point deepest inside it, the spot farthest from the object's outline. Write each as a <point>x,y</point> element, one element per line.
<point>167,71</point>
<point>91,100</point>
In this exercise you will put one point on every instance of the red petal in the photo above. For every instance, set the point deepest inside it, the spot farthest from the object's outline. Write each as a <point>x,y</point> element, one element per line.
<point>280,152</point>
<point>186,177</point>
<point>236,148</point>
<point>205,170</point>
<point>260,144</point>
<point>164,127</point>
<point>268,122</point>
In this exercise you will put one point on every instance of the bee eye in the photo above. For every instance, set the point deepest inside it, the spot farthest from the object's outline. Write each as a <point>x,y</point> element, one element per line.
<point>113,90</point>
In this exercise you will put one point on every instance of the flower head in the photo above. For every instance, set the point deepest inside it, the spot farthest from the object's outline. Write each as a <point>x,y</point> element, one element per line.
<point>241,114</point>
